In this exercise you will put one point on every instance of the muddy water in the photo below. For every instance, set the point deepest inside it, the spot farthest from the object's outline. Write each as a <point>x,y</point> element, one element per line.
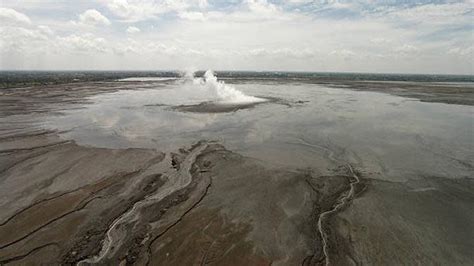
<point>329,175</point>
<point>394,138</point>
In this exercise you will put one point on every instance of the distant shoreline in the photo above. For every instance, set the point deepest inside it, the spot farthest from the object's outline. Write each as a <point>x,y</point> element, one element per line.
<point>12,79</point>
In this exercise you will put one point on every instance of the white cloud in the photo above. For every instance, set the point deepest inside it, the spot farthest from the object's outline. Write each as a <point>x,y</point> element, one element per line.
<point>170,50</point>
<point>133,29</point>
<point>434,13</point>
<point>93,17</point>
<point>83,43</point>
<point>343,53</point>
<point>406,49</point>
<point>192,16</point>
<point>261,10</point>
<point>137,10</point>
<point>203,4</point>
<point>462,51</point>
<point>305,53</point>
<point>432,17</point>
<point>19,39</point>
<point>261,6</point>
<point>129,11</point>
<point>380,41</point>
<point>9,16</point>
<point>46,30</point>
<point>125,50</point>
<point>240,34</point>
<point>300,1</point>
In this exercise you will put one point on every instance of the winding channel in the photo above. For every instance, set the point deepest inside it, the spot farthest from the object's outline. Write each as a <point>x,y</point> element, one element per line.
<point>177,179</point>
<point>342,202</point>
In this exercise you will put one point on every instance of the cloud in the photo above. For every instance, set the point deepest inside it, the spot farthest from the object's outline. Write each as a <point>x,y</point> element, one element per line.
<point>431,19</point>
<point>193,16</point>
<point>132,30</point>
<point>300,1</point>
<point>284,52</point>
<point>380,41</point>
<point>261,6</point>
<point>203,4</point>
<point>83,43</point>
<point>343,53</point>
<point>462,51</point>
<point>9,16</point>
<point>372,36</point>
<point>171,50</point>
<point>248,11</point>
<point>256,10</point>
<point>434,13</point>
<point>406,49</point>
<point>137,10</point>
<point>93,17</point>
<point>125,50</point>
<point>45,30</point>
<point>130,11</point>
<point>20,39</point>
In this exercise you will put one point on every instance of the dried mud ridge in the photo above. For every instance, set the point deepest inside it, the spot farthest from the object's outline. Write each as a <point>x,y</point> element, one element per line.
<point>215,107</point>
<point>67,204</point>
<point>423,91</point>
<point>342,202</point>
<point>61,203</point>
<point>127,216</point>
<point>159,182</point>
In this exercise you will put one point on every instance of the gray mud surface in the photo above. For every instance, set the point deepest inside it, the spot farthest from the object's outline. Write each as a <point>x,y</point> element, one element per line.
<point>62,203</point>
<point>213,107</point>
<point>210,107</point>
<point>426,92</point>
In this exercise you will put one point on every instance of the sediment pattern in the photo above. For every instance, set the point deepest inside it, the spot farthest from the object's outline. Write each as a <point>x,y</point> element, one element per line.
<point>63,203</point>
<point>129,216</point>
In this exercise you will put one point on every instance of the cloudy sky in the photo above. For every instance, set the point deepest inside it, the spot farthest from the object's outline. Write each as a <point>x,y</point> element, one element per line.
<point>410,36</point>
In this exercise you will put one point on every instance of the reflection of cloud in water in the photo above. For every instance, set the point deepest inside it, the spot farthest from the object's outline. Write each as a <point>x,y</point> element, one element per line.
<point>141,123</point>
<point>104,119</point>
<point>148,79</point>
<point>424,189</point>
<point>259,132</point>
<point>378,131</point>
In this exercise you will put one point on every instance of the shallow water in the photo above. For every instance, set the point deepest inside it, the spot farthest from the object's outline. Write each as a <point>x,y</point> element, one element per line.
<point>390,137</point>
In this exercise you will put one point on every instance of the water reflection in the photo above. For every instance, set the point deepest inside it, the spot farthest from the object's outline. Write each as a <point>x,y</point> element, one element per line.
<point>395,137</point>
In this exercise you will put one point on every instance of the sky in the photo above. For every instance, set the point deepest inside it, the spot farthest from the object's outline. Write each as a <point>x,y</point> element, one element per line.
<point>416,36</point>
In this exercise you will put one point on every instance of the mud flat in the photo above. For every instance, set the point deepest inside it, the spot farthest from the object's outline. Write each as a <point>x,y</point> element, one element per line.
<point>424,222</point>
<point>213,107</point>
<point>71,204</point>
<point>67,204</point>
<point>450,93</point>
<point>210,107</point>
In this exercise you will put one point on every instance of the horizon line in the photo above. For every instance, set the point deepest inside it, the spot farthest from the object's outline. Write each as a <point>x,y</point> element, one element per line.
<point>223,70</point>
